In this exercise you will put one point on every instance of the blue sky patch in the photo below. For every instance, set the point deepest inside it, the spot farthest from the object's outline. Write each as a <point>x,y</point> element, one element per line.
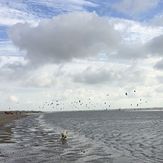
<point>3,33</point>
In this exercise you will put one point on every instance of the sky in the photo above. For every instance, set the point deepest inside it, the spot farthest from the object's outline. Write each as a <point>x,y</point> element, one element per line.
<point>63,51</point>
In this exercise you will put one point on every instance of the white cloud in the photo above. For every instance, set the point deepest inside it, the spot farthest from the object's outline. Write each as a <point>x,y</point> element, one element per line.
<point>12,12</point>
<point>8,49</point>
<point>43,77</point>
<point>12,69</point>
<point>140,40</point>
<point>160,79</point>
<point>7,61</point>
<point>110,76</point>
<point>159,89</point>
<point>135,7</point>
<point>42,80</point>
<point>116,54</point>
<point>69,4</point>
<point>136,32</point>
<point>155,45</point>
<point>65,37</point>
<point>157,20</point>
<point>10,16</point>
<point>90,76</point>
<point>159,65</point>
<point>13,99</point>
<point>90,37</point>
<point>95,82</point>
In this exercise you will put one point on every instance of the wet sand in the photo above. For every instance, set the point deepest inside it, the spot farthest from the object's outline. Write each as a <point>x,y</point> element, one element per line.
<point>8,117</point>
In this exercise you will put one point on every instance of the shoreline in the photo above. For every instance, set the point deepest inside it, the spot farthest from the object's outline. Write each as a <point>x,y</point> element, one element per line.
<point>109,110</point>
<point>9,116</point>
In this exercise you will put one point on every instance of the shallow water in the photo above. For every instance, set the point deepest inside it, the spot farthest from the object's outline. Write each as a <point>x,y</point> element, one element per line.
<point>93,137</point>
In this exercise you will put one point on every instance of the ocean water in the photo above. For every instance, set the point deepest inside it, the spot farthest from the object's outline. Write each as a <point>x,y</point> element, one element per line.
<point>93,137</point>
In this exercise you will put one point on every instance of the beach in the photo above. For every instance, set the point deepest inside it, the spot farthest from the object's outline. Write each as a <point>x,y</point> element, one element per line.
<point>8,117</point>
<point>93,137</point>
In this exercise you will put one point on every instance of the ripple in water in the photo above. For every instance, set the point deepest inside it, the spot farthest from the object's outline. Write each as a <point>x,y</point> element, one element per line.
<point>93,137</point>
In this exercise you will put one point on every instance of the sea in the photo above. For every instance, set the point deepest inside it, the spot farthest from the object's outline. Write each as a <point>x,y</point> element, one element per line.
<point>92,137</point>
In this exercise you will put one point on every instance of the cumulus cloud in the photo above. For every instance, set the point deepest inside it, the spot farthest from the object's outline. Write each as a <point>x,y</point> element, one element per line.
<point>159,89</point>
<point>85,35</point>
<point>155,45</point>
<point>12,68</point>
<point>157,20</point>
<point>136,32</point>
<point>90,76</point>
<point>13,99</point>
<point>65,37</point>
<point>159,65</point>
<point>12,61</point>
<point>160,79</point>
<point>38,78</point>
<point>131,51</point>
<point>42,80</point>
<point>46,76</point>
<point>103,75</point>
<point>141,50</point>
<point>155,48</point>
<point>135,7</point>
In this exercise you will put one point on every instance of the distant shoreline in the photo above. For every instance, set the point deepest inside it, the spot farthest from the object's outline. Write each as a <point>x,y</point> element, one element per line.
<point>9,116</point>
<point>107,110</point>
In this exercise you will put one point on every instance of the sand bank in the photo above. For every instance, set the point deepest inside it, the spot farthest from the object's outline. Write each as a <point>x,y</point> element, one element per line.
<point>7,117</point>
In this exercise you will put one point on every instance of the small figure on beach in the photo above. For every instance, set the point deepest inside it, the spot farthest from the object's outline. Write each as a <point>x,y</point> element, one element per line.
<point>64,137</point>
